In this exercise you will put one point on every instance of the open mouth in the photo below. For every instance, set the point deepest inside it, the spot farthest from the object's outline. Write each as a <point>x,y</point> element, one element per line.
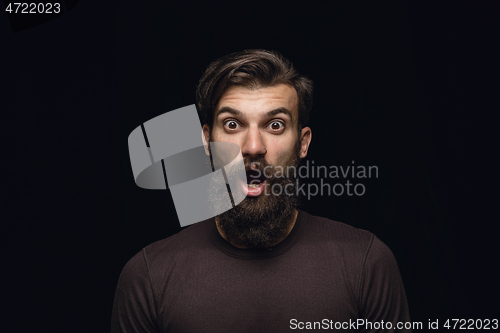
<point>255,178</point>
<point>255,183</point>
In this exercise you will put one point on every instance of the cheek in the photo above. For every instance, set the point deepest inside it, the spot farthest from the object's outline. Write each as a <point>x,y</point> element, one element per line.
<point>281,157</point>
<point>219,135</point>
<point>284,148</point>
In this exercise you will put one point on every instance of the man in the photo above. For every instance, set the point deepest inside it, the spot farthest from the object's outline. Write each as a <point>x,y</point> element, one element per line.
<point>263,266</point>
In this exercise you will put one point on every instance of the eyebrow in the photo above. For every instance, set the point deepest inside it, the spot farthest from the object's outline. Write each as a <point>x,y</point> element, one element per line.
<point>235,112</point>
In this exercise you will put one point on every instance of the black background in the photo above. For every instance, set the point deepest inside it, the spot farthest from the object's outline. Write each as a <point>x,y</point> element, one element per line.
<point>405,86</point>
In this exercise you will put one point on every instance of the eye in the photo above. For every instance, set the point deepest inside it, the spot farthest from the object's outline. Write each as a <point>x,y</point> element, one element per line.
<point>231,125</point>
<point>276,126</point>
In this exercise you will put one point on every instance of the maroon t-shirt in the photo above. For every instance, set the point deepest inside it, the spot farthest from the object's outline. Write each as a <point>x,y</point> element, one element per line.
<point>324,275</point>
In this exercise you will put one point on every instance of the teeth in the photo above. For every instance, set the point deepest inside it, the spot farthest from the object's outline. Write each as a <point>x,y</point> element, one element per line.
<point>253,185</point>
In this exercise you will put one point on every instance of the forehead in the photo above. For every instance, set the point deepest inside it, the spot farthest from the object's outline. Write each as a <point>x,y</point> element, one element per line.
<point>260,100</point>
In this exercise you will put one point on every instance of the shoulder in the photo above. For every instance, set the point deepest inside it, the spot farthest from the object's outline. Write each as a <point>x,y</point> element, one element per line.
<point>179,246</point>
<point>338,233</point>
<point>355,246</point>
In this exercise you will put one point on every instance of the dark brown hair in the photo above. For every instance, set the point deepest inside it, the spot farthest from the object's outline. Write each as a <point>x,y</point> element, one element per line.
<point>251,69</point>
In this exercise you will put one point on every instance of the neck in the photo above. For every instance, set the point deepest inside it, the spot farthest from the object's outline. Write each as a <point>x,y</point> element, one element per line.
<point>242,246</point>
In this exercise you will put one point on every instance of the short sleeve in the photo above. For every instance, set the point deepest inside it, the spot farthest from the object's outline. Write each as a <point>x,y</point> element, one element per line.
<point>382,295</point>
<point>134,309</point>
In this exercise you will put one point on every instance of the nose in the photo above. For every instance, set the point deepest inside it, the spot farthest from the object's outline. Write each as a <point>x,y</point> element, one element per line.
<point>253,145</point>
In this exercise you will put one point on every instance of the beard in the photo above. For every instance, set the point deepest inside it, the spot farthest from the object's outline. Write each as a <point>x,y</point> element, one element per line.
<point>259,222</point>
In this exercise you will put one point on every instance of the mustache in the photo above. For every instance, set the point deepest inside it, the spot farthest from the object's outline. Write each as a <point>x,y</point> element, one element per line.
<point>255,163</point>
<point>260,169</point>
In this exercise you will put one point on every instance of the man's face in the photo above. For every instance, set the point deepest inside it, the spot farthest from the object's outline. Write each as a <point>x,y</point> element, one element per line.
<point>263,123</point>
<point>257,120</point>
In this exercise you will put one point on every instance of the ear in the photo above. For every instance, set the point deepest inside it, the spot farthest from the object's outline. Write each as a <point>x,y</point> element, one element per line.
<point>205,136</point>
<point>305,141</point>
